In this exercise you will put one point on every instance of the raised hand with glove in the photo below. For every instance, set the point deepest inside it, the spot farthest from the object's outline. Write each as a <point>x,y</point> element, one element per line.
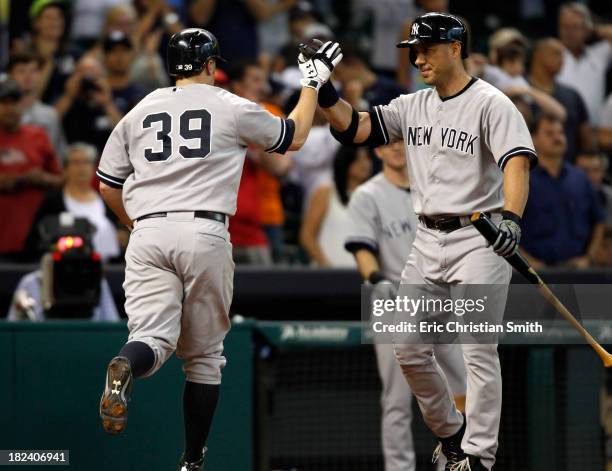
<point>507,242</point>
<point>317,65</point>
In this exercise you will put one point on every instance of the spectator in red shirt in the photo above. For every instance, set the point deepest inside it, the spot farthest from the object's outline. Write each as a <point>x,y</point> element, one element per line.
<point>28,167</point>
<point>248,226</point>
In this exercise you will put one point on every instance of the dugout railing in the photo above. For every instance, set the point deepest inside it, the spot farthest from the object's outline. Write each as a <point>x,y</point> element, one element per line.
<point>300,396</point>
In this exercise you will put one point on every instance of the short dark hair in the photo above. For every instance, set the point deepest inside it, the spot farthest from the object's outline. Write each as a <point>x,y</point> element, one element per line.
<point>238,71</point>
<point>353,54</point>
<point>23,57</point>
<point>510,53</point>
<point>603,158</point>
<point>541,117</point>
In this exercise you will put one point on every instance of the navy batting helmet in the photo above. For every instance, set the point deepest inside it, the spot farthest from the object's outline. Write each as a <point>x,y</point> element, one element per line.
<point>190,49</point>
<point>434,28</point>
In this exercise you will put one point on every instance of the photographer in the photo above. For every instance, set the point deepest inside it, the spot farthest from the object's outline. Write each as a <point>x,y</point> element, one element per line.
<point>69,283</point>
<point>87,107</point>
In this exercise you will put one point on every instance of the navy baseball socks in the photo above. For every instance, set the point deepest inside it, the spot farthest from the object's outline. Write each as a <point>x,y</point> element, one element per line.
<point>199,404</point>
<point>133,361</point>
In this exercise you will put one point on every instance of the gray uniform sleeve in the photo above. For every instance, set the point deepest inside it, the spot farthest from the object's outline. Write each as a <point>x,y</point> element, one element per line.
<point>364,221</point>
<point>115,165</point>
<point>259,127</point>
<point>386,121</point>
<point>506,133</point>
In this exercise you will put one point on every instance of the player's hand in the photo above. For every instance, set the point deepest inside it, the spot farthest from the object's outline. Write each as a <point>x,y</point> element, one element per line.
<point>317,68</point>
<point>384,290</point>
<point>509,236</point>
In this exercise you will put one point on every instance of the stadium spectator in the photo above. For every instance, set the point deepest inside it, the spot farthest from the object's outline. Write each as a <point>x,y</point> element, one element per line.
<point>604,133</point>
<point>507,75</point>
<point>546,62</point>
<point>253,220</point>
<point>87,107</point>
<point>325,227</point>
<point>48,18</point>
<point>604,256</point>
<point>24,68</point>
<point>301,16</point>
<point>145,32</point>
<point>88,20</point>
<point>374,89</point>
<point>584,65</point>
<point>28,167</point>
<point>505,37</point>
<point>118,58</point>
<point>385,19</point>
<point>596,166</point>
<point>508,69</point>
<point>78,198</point>
<point>563,220</point>
<point>234,23</point>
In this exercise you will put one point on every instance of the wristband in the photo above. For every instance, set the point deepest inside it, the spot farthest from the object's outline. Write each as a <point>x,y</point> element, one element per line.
<point>511,216</point>
<point>328,96</point>
<point>376,277</point>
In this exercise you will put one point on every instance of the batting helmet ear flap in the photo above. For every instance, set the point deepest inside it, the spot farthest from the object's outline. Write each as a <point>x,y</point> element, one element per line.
<point>412,56</point>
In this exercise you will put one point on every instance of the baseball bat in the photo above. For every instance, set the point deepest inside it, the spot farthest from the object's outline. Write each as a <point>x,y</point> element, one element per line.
<point>489,231</point>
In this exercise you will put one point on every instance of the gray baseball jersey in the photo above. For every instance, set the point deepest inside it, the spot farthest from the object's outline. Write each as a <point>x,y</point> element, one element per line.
<point>456,146</point>
<point>383,220</point>
<point>183,148</point>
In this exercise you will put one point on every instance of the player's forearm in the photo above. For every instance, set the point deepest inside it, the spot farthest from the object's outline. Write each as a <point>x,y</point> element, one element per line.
<point>596,241</point>
<point>313,249</point>
<point>516,184</point>
<point>339,115</point>
<point>113,198</point>
<point>366,263</point>
<point>302,116</point>
<point>548,103</point>
<point>604,139</point>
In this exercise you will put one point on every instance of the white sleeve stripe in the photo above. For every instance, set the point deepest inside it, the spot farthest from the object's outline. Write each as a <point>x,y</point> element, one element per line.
<point>516,151</point>
<point>108,179</point>
<point>278,143</point>
<point>381,123</point>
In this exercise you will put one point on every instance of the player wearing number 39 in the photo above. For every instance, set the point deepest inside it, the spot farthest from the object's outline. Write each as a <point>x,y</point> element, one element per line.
<point>468,150</point>
<point>170,170</point>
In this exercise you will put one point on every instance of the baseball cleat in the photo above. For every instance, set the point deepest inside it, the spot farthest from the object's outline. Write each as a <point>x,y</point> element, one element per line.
<point>116,395</point>
<point>194,466</point>
<point>470,463</point>
<point>451,448</point>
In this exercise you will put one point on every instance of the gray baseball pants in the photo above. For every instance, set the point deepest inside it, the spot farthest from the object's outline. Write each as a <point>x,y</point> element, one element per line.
<point>178,288</point>
<point>444,262</point>
<point>396,402</point>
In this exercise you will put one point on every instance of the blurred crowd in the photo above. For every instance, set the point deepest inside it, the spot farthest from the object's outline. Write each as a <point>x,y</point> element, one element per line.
<point>76,67</point>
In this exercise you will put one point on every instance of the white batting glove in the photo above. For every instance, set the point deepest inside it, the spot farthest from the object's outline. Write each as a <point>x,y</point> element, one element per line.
<point>317,69</point>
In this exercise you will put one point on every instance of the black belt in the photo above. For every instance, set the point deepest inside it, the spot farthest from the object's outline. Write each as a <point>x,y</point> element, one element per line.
<point>445,224</point>
<point>215,216</point>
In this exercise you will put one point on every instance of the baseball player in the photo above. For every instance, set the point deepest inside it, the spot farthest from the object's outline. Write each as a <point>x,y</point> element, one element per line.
<point>468,150</point>
<point>381,234</point>
<point>171,170</point>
